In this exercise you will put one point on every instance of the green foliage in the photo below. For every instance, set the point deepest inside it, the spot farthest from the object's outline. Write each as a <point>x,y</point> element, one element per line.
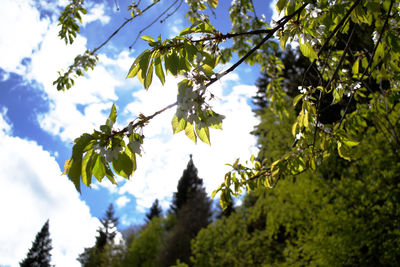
<point>144,249</point>
<point>342,213</point>
<point>69,19</point>
<point>192,209</point>
<point>352,53</point>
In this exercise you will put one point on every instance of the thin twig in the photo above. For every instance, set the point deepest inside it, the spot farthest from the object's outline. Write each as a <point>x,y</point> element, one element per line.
<point>119,28</point>
<point>152,23</point>
<point>370,60</point>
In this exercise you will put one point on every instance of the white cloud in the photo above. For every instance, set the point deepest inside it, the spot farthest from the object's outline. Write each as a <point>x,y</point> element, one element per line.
<point>5,126</point>
<point>21,33</point>
<point>32,191</point>
<point>165,155</point>
<point>122,201</point>
<point>95,12</point>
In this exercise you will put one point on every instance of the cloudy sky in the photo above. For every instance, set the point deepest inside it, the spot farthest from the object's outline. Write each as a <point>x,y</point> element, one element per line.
<point>38,124</point>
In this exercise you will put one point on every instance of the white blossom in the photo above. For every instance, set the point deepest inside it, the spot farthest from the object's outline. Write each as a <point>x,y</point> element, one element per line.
<point>299,136</point>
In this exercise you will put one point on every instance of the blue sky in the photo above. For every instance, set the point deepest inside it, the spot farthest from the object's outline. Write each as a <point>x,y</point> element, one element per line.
<point>38,124</point>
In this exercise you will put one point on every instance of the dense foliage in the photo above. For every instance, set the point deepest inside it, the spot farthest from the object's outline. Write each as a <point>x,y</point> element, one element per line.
<point>346,84</point>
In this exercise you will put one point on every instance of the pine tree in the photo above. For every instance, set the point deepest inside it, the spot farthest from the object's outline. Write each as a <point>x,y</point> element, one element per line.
<point>93,256</point>
<point>39,254</point>
<point>192,208</point>
<point>155,211</point>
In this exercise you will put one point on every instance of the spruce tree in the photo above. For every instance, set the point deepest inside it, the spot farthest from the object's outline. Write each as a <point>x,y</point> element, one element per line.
<point>192,208</point>
<point>39,254</point>
<point>93,256</point>
<point>188,186</point>
<point>155,211</point>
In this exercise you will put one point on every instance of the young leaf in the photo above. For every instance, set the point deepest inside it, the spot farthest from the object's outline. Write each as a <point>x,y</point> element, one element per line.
<point>147,38</point>
<point>307,50</point>
<point>112,117</point>
<point>99,171</point>
<point>159,69</point>
<point>123,165</point>
<point>178,124</point>
<point>204,134</point>
<point>87,168</point>
<point>149,75</point>
<point>189,131</point>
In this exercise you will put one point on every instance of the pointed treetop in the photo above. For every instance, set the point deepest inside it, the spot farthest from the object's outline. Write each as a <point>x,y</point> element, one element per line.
<point>39,253</point>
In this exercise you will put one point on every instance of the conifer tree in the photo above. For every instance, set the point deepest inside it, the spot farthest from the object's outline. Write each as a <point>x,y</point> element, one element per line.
<point>39,254</point>
<point>155,211</point>
<point>192,208</point>
<point>93,256</point>
<point>188,186</point>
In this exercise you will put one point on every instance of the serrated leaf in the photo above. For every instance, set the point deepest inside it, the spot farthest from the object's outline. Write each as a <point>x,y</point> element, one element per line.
<point>159,69</point>
<point>178,124</point>
<point>189,131</point>
<point>204,134</point>
<point>123,165</point>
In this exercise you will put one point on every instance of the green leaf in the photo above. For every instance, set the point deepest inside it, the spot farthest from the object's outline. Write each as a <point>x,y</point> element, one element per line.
<point>356,66</point>
<point>99,170</point>
<point>213,3</point>
<point>123,165</point>
<point>140,65</point>
<point>159,69</point>
<point>297,99</point>
<point>87,168</point>
<point>189,131</point>
<point>343,151</point>
<point>349,143</point>
<point>132,156</point>
<point>74,172</point>
<point>147,38</point>
<point>204,134</point>
<point>149,75</point>
<point>172,63</point>
<point>178,124</point>
<point>112,117</point>
<point>281,5</point>
<point>307,50</point>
